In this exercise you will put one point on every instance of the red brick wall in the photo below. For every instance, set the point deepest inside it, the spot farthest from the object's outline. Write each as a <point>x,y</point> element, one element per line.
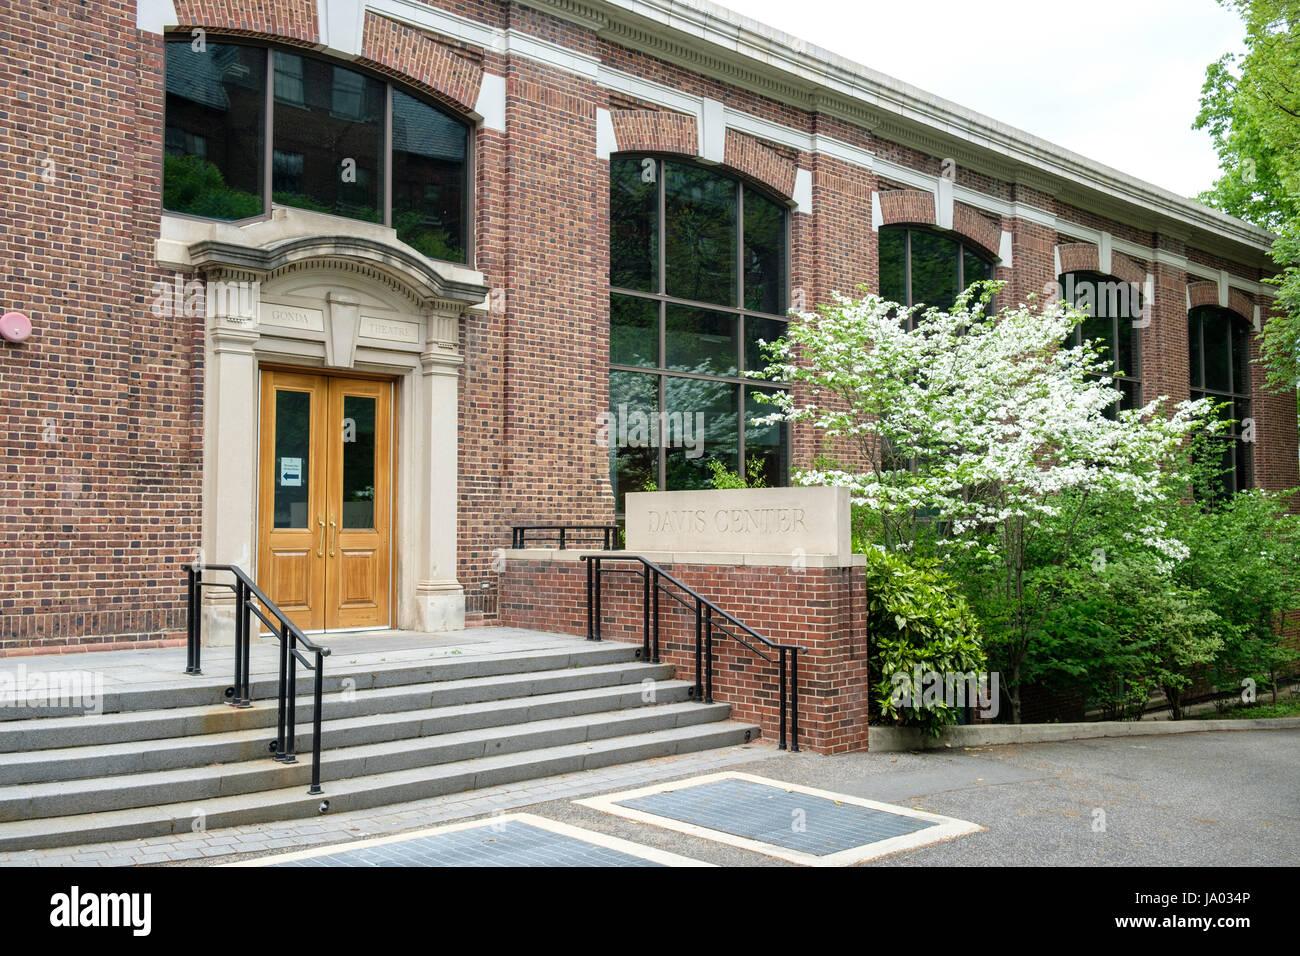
<point>99,490</point>
<point>1164,341</point>
<point>833,250</point>
<point>556,280</point>
<point>820,609</point>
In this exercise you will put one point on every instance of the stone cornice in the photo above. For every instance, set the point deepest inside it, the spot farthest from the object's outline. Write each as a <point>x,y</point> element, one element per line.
<point>714,41</point>
<point>412,274</point>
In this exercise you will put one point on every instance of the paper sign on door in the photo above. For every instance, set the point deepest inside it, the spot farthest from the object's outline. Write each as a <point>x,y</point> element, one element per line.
<point>290,472</point>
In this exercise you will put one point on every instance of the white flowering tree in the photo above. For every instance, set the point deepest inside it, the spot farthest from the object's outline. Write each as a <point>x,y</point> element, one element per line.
<point>984,429</point>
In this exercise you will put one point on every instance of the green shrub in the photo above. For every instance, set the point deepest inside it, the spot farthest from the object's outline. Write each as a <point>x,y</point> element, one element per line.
<point>916,619</point>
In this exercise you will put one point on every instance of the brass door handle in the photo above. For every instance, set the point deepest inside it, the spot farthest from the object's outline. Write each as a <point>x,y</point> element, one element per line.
<point>334,533</point>
<point>320,551</point>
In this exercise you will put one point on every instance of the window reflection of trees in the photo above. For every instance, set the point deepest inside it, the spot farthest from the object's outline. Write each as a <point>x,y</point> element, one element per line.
<point>693,293</point>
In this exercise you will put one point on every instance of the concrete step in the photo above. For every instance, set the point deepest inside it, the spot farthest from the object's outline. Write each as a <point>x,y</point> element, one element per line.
<point>194,784</point>
<point>143,755</point>
<point>365,790</point>
<point>209,689</point>
<point>63,732</point>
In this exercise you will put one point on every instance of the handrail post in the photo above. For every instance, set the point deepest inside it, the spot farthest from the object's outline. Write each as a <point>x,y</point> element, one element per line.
<point>654,590</point>
<point>191,617</point>
<point>645,613</point>
<point>247,700</point>
<point>315,730</point>
<point>708,655</point>
<point>198,619</point>
<point>590,596</point>
<point>699,649</point>
<point>561,537</point>
<point>794,700</point>
<point>291,711</point>
<point>781,694</point>
<point>241,622</point>
<point>596,572</point>
<point>284,667</point>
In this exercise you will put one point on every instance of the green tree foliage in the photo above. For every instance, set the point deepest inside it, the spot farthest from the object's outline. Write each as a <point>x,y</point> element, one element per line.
<point>724,477</point>
<point>1250,105</point>
<point>195,186</point>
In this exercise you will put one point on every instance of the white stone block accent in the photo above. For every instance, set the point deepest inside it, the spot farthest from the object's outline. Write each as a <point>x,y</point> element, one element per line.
<point>491,103</point>
<point>341,24</point>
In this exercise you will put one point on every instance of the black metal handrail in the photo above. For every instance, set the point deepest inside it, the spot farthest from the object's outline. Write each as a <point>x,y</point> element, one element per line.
<point>247,596</point>
<point>609,534</point>
<point>654,580</point>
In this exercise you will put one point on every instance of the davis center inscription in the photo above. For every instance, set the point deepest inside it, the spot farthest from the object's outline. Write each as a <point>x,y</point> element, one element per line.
<point>742,520</point>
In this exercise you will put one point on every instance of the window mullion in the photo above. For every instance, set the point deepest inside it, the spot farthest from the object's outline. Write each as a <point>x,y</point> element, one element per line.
<point>268,133</point>
<point>661,476</point>
<point>907,269</point>
<point>387,147</point>
<point>662,227</point>
<point>740,432</point>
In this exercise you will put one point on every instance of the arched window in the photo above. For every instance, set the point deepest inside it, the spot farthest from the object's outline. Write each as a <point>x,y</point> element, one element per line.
<point>698,265</point>
<point>1114,310</point>
<point>250,126</point>
<point>921,266</point>
<point>1218,355</point>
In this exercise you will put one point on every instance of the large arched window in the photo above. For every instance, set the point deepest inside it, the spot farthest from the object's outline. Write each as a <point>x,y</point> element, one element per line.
<point>248,126</point>
<point>698,266</point>
<point>1218,355</point>
<point>921,266</point>
<point>1114,309</point>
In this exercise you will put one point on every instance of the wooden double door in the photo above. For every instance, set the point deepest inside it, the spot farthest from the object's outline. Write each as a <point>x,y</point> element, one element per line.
<point>325,499</point>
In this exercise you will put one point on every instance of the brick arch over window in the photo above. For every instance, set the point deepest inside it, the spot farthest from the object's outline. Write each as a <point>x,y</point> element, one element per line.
<point>413,57</point>
<point>1078,257</point>
<point>977,229</point>
<point>1205,292</point>
<point>409,57</point>
<point>751,158</point>
<point>916,207</point>
<point>653,131</point>
<point>900,207</point>
<point>1084,257</point>
<point>1240,303</point>
<point>285,20</point>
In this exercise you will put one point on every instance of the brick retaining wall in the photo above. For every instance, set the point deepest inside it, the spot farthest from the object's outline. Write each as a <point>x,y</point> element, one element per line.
<point>820,609</point>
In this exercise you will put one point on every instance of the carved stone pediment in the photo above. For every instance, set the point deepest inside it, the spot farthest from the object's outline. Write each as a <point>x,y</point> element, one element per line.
<point>296,240</point>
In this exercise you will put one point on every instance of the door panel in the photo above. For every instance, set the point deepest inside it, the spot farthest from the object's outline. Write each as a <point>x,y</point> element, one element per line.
<point>325,489</point>
<point>291,566</point>
<point>358,492</point>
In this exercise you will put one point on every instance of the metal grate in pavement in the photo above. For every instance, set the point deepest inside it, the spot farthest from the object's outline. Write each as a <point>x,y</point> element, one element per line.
<point>780,819</point>
<point>772,814</point>
<point>512,840</point>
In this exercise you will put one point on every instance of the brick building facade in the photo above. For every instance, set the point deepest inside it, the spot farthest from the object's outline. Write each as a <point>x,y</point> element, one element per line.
<point>133,433</point>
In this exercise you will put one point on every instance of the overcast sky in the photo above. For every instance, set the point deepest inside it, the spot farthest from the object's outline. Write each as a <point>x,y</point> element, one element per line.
<point>1116,80</point>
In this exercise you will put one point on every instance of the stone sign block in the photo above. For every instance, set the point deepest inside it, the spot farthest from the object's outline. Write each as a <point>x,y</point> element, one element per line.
<point>770,521</point>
